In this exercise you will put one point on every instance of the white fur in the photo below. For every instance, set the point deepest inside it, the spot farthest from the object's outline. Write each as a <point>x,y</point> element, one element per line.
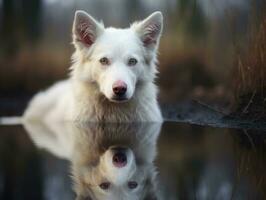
<point>88,94</point>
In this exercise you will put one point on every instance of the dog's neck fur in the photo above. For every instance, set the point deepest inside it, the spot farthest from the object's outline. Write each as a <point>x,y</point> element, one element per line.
<point>101,109</point>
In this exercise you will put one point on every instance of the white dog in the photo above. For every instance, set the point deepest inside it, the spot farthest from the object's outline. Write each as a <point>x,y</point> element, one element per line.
<point>112,77</point>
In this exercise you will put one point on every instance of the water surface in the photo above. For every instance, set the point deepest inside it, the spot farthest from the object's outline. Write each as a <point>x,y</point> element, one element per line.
<point>172,160</point>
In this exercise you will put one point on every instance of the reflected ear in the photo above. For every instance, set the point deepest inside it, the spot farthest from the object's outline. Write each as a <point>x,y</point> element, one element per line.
<point>150,197</point>
<point>153,192</point>
<point>85,29</point>
<point>83,198</point>
<point>150,29</point>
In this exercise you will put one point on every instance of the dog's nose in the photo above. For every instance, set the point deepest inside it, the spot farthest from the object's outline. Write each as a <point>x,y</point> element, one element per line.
<point>119,88</point>
<point>120,159</point>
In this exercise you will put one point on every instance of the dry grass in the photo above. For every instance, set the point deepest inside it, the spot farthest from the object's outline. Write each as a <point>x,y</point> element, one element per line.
<point>250,83</point>
<point>32,69</point>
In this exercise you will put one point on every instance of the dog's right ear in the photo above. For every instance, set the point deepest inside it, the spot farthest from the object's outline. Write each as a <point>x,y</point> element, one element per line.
<point>85,29</point>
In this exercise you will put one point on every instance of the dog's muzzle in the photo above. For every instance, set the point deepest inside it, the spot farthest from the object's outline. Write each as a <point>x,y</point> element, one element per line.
<point>119,91</point>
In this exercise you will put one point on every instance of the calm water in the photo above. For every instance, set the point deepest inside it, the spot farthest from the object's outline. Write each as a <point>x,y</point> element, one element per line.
<point>170,161</point>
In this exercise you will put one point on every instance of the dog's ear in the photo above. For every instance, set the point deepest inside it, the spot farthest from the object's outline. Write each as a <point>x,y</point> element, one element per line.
<point>85,29</point>
<point>150,29</point>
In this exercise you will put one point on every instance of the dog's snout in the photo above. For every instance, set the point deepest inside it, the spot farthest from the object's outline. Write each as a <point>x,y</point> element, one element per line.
<point>119,159</point>
<point>119,88</point>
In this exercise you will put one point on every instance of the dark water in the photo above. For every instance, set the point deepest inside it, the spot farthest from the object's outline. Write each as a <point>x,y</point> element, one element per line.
<point>168,161</point>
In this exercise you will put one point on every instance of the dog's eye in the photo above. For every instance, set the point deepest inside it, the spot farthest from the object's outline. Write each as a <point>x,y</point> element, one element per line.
<point>132,61</point>
<point>104,185</point>
<point>132,185</point>
<point>105,61</point>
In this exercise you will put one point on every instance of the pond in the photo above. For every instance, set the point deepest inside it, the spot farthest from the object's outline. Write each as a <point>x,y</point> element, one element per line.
<point>169,161</point>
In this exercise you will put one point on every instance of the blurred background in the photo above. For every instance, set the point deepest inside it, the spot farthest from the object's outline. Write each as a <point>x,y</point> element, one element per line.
<point>212,51</point>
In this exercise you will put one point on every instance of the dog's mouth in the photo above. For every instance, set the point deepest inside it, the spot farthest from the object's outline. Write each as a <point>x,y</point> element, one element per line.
<point>115,99</point>
<point>119,99</point>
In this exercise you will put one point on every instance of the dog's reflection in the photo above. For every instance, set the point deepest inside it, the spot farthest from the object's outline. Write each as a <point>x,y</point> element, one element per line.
<point>109,161</point>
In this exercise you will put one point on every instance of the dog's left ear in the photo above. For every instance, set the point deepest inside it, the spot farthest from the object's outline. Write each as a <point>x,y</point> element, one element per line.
<point>150,29</point>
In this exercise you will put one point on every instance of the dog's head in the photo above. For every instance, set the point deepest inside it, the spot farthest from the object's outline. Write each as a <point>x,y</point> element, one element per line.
<point>115,60</point>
